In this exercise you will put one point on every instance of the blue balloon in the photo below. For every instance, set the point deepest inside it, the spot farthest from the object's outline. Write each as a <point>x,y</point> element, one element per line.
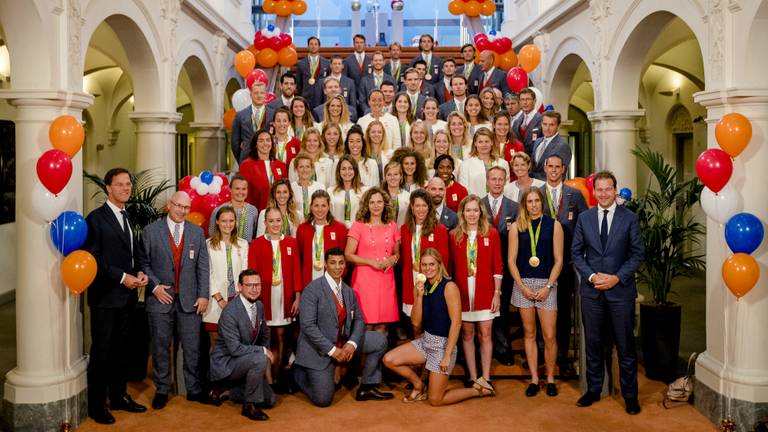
<point>271,27</point>
<point>68,232</point>
<point>492,32</point>
<point>626,193</point>
<point>549,108</point>
<point>206,177</point>
<point>744,233</point>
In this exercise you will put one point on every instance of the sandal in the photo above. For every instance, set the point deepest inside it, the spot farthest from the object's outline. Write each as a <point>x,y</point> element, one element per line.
<point>482,391</point>
<point>482,382</point>
<point>420,396</point>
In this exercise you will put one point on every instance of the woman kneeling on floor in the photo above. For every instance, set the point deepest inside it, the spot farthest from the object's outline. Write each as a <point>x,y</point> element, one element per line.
<point>437,314</point>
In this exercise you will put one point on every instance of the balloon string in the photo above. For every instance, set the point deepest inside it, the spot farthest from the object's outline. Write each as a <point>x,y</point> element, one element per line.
<point>725,386</point>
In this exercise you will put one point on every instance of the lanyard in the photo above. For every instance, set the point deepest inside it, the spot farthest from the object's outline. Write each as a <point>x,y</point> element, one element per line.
<point>241,225</point>
<point>305,200</point>
<point>267,165</point>
<point>416,249</point>
<point>286,225</point>
<point>275,260</point>
<point>347,206</point>
<point>317,243</point>
<point>550,201</point>
<point>534,236</point>
<point>397,204</point>
<point>472,256</point>
<point>433,287</point>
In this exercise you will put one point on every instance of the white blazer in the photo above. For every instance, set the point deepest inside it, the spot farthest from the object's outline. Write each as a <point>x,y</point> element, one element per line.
<point>217,266</point>
<point>439,125</point>
<point>337,204</point>
<point>323,171</point>
<point>369,172</point>
<point>391,127</point>
<point>472,174</point>
<point>403,199</point>
<point>298,197</point>
<point>261,226</point>
<point>513,192</point>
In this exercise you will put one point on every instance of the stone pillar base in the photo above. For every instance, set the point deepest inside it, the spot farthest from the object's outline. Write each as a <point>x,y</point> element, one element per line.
<point>713,406</point>
<point>45,417</point>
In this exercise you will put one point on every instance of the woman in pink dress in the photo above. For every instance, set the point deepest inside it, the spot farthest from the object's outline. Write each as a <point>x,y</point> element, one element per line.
<point>373,246</point>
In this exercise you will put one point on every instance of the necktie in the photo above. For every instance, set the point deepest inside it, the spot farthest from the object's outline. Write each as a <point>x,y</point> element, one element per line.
<point>253,315</point>
<point>604,229</point>
<point>540,149</point>
<point>230,274</point>
<point>126,228</point>
<point>555,202</point>
<point>337,292</point>
<point>377,80</point>
<point>460,106</point>
<point>495,208</point>
<point>176,233</point>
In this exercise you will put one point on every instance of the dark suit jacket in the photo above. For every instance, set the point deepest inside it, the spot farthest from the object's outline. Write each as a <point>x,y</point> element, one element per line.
<point>622,255</point>
<point>508,210</point>
<point>396,75</point>
<point>420,100</point>
<point>447,108</point>
<point>571,206</point>
<point>368,84</point>
<point>557,146</point>
<point>242,131</point>
<point>313,93</point>
<point>349,91</point>
<point>158,265</point>
<point>473,82</point>
<point>436,69</point>
<point>440,90</point>
<point>352,70</point>
<point>320,324</point>
<point>532,133</point>
<point>318,113</point>
<point>277,104</point>
<point>237,338</point>
<point>107,243</point>
<point>448,218</point>
<point>497,80</point>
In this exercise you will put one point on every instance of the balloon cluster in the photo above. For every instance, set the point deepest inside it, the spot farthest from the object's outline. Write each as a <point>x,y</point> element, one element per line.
<point>472,8</point>
<point>207,191</point>
<point>50,197</point>
<point>720,201</point>
<point>274,47</point>
<point>528,59</point>
<point>501,46</point>
<point>284,8</point>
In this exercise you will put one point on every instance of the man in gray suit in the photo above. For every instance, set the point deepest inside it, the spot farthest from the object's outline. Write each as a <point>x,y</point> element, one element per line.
<point>358,64</point>
<point>332,331</point>
<point>242,348</point>
<point>469,69</point>
<point>502,211</point>
<point>249,120</point>
<point>528,125</point>
<point>549,145</point>
<point>176,263</point>
<point>446,216</point>
<point>287,91</point>
<point>459,89</point>
<point>373,81</point>
<point>564,204</point>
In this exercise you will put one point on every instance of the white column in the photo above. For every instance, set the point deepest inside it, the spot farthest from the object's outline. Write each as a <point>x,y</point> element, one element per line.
<point>156,142</point>
<point>615,137</point>
<point>735,363</point>
<point>48,384</point>
<point>210,148</point>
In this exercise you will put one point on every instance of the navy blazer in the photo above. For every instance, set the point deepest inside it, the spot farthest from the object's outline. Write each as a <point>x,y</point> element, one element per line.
<point>435,71</point>
<point>237,337</point>
<point>352,70</point>
<point>558,146</point>
<point>349,91</point>
<point>399,78</point>
<point>448,218</point>
<point>242,131</point>
<point>473,82</point>
<point>509,210</point>
<point>367,85</point>
<point>572,204</point>
<point>622,255</point>
<point>497,80</point>
<point>313,93</point>
<point>532,134</point>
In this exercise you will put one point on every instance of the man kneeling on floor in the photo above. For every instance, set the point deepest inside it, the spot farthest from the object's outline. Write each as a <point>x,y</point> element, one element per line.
<point>241,356</point>
<point>332,331</point>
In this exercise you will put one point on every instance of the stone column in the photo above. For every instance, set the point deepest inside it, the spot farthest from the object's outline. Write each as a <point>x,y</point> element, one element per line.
<point>156,142</point>
<point>615,137</point>
<point>48,385</point>
<point>210,148</point>
<point>735,363</point>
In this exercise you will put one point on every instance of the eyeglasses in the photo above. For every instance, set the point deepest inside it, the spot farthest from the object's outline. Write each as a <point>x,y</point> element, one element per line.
<point>182,207</point>
<point>251,285</point>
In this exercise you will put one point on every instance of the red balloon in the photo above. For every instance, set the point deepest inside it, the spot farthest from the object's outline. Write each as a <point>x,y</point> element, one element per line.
<point>225,195</point>
<point>517,79</point>
<point>506,44</point>
<point>256,75</point>
<point>259,41</point>
<point>224,179</point>
<point>592,201</point>
<point>714,168</point>
<point>270,97</point>
<point>208,203</point>
<point>274,43</point>
<point>285,40</point>
<point>483,45</point>
<point>184,183</point>
<point>194,197</point>
<point>478,37</point>
<point>54,169</point>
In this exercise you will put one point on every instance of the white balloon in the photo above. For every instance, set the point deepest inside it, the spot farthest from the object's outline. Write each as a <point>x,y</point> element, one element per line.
<point>276,32</point>
<point>202,189</point>
<point>720,206</point>
<point>214,188</point>
<point>217,180</point>
<point>539,98</point>
<point>195,182</point>
<point>46,205</point>
<point>241,99</point>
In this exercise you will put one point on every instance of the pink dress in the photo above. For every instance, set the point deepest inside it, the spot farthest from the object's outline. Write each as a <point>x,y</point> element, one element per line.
<point>374,288</point>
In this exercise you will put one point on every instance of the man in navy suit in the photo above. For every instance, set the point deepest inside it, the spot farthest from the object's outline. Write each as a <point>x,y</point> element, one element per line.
<point>492,76</point>
<point>607,250</point>
<point>549,145</point>
<point>347,87</point>
<point>446,216</point>
<point>443,89</point>
<point>310,72</point>
<point>564,204</point>
<point>502,212</point>
<point>358,64</point>
<point>469,69</point>
<point>459,89</point>
<point>287,91</point>
<point>413,91</point>
<point>433,64</point>
<point>249,120</point>
<point>528,125</point>
<point>373,81</point>
<point>395,66</point>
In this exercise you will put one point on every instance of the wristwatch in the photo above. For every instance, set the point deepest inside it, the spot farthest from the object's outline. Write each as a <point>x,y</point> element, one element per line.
<point>549,286</point>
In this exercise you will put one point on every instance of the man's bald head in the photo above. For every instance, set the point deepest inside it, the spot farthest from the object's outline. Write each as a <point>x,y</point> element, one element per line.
<point>178,206</point>
<point>436,190</point>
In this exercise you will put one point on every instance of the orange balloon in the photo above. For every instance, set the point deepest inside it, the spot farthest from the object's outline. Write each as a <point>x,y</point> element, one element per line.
<point>78,270</point>
<point>740,273</point>
<point>268,6</point>
<point>196,218</point>
<point>267,58</point>
<point>254,51</point>
<point>530,57</point>
<point>245,61</point>
<point>487,8</point>
<point>229,118</point>
<point>733,133</point>
<point>299,7</point>
<point>66,133</point>
<point>472,8</point>
<point>283,9</point>
<point>579,183</point>
<point>508,60</point>
<point>287,57</point>
<point>456,7</point>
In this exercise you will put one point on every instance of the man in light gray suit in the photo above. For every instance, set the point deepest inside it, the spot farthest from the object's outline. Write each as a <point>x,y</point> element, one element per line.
<point>446,216</point>
<point>332,332</point>
<point>550,144</point>
<point>249,120</point>
<point>241,355</point>
<point>176,263</point>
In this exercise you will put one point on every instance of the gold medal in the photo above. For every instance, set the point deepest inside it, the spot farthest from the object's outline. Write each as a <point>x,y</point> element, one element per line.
<point>472,270</point>
<point>534,261</point>
<point>276,282</point>
<point>428,77</point>
<point>311,81</point>
<point>318,265</point>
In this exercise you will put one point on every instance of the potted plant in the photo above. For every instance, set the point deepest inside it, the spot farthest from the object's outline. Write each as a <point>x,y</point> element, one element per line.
<point>669,229</point>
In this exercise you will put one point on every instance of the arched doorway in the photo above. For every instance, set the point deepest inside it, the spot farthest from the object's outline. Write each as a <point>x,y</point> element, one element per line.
<point>199,135</point>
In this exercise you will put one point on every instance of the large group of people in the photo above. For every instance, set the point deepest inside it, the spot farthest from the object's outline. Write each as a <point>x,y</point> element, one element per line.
<point>361,216</point>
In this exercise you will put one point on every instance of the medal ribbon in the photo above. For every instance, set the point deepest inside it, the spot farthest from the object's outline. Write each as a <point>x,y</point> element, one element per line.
<point>534,237</point>
<point>286,225</point>
<point>471,254</point>
<point>313,64</point>
<point>347,207</point>
<point>397,206</point>
<point>241,224</point>
<point>416,250</point>
<point>305,198</point>
<point>551,201</point>
<point>317,244</point>
<point>433,287</point>
<point>275,261</point>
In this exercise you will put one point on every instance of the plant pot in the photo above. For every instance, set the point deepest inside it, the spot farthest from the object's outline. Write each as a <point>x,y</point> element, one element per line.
<point>660,338</point>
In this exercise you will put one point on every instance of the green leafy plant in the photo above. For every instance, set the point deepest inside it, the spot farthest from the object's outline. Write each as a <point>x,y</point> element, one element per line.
<point>668,226</point>
<point>147,188</point>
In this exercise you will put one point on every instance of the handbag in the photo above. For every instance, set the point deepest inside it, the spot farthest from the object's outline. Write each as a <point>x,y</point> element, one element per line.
<point>681,389</point>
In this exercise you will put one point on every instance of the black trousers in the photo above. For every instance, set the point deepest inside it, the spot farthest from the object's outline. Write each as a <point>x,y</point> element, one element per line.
<point>502,323</point>
<point>108,362</point>
<point>565,296</point>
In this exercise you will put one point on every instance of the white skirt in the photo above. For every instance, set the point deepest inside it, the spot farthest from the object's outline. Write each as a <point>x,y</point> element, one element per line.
<point>476,315</point>
<point>277,300</point>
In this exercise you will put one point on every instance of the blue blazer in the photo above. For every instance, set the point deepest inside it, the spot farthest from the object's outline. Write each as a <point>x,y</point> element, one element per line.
<point>558,146</point>
<point>242,131</point>
<point>237,338</point>
<point>622,255</point>
<point>448,218</point>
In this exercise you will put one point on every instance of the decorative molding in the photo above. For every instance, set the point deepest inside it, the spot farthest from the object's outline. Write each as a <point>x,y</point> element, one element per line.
<point>600,13</point>
<point>58,7</point>
<point>715,21</point>
<point>169,11</point>
<point>681,121</point>
<point>75,22</point>
<point>220,68</point>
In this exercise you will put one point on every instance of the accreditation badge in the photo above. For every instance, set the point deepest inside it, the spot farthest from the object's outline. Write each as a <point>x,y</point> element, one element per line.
<point>279,171</point>
<point>333,235</point>
<point>431,237</point>
<point>486,242</point>
<point>455,197</point>
<point>289,251</point>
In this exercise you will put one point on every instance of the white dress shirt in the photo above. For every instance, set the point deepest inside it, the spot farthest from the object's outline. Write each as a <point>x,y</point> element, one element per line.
<point>172,225</point>
<point>600,215</point>
<point>247,303</point>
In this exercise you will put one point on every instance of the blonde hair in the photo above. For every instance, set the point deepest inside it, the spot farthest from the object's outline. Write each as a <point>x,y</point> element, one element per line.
<point>465,138</point>
<point>384,143</point>
<point>216,236</point>
<point>339,144</point>
<point>321,145</point>
<point>390,165</point>
<point>482,225</point>
<point>428,150</point>
<point>521,155</point>
<point>434,139</point>
<point>484,131</point>
<point>343,117</point>
<point>303,156</point>
<point>523,217</point>
<point>432,252</point>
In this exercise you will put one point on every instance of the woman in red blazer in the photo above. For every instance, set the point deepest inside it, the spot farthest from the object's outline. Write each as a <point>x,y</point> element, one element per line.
<point>318,234</point>
<point>476,252</point>
<point>262,169</point>
<point>275,257</point>
<point>422,219</point>
<point>455,192</point>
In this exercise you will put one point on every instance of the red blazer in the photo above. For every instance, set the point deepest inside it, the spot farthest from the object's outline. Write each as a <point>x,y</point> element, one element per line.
<point>437,240</point>
<point>334,235</point>
<point>258,181</point>
<point>454,194</point>
<point>488,264</point>
<point>292,148</point>
<point>260,259</point>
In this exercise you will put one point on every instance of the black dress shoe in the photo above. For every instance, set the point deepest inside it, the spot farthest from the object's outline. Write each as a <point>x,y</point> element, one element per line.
<point>507,359</point>
<point>203,398</point>
<point>253,412</point>
<point>102,416</point>
<point>159,401</point>
<point>125,403</point>
<point>632,406</point>
<point>532,390</point>
<point>217,396</point>
<point>551,389</point>
<point>372,393</point>
<point>587,399</point>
